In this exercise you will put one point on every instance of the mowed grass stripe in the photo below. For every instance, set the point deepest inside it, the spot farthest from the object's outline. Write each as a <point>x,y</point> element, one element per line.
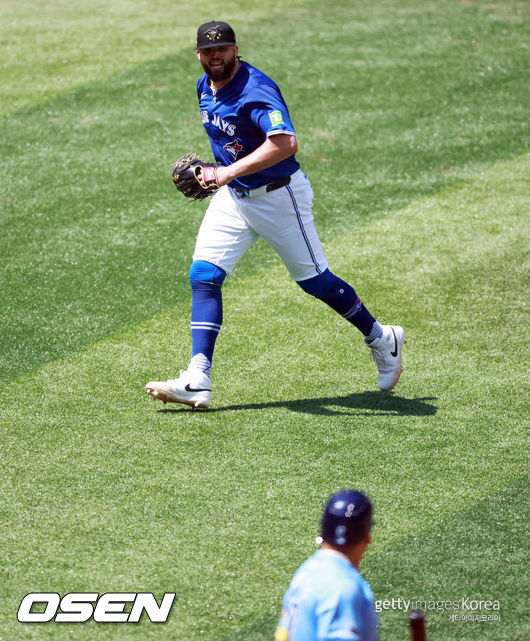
<point>50,49</point>
<point>106,490</point>
<point>474,551</point>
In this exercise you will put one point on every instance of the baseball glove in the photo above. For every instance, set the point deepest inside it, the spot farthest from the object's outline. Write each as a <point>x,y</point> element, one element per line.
<point>185,174</point>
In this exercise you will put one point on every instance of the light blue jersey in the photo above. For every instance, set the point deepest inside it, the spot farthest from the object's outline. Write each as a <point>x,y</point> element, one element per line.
<point>239,118</point>
<point>327,600</point>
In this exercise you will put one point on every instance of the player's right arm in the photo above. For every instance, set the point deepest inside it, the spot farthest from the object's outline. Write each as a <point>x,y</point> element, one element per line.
<point>273,150</point>
<point>267,110</point>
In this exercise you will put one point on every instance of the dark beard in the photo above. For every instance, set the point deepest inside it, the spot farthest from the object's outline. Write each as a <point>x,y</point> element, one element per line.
<point>222,74</point>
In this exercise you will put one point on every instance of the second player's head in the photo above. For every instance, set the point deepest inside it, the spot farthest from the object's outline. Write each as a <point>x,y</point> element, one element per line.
<point>347,518</point>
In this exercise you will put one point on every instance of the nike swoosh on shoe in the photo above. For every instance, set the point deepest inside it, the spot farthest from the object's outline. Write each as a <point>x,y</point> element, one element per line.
<point>199,389</point>
<point>395,352</point>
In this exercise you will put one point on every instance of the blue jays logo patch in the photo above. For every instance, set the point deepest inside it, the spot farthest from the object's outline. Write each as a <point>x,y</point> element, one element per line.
<point>233,148</point>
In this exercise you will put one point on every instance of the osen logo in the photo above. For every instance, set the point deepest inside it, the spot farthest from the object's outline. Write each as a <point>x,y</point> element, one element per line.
<point>79,607</point>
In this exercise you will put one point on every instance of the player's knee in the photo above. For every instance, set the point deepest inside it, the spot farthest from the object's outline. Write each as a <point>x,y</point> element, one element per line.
<point>203,272</point>
<point>318,285</point>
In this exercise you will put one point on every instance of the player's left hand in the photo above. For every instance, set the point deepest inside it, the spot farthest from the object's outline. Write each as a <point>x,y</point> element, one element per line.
<point>194,178</point>
<point>207,177</point>
<point>222,175</point>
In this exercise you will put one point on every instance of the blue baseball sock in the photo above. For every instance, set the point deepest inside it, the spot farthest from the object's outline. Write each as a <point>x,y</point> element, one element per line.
<point>342,298</point>
<point>206,311</point>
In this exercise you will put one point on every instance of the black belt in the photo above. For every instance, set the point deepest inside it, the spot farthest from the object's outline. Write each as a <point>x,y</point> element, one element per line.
<point>278,183</point>
<point>282,182</point>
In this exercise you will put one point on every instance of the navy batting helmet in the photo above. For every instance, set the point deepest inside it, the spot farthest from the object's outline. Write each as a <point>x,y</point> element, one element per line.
<point>347,518</point>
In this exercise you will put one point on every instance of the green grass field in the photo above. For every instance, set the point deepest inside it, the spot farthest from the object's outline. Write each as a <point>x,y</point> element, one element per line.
<point>412,123</point>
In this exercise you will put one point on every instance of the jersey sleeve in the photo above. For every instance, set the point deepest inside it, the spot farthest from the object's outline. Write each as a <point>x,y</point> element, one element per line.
<point>347,615</point>
<point>268,111</point>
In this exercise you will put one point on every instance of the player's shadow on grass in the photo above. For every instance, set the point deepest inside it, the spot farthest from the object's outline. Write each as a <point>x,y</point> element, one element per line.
<point>370,404</point>
<point>373,404</point>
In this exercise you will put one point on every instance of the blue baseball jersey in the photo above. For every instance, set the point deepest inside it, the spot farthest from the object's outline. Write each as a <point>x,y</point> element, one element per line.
<point>240,117</point>
<point>327,600</point>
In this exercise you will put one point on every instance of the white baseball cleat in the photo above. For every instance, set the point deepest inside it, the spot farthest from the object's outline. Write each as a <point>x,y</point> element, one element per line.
<point>386,352</point>
<point>193,387</point>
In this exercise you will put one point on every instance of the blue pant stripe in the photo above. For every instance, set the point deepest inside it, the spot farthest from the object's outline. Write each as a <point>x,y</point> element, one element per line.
<point>301,225</point>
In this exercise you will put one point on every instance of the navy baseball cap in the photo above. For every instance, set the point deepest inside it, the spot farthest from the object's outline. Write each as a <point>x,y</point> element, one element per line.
<point>347,518</point>
<point>215,34</point>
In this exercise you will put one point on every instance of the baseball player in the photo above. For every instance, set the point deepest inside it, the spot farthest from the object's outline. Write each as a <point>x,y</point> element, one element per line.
<point>260,190</point>
<point>328,599</point>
